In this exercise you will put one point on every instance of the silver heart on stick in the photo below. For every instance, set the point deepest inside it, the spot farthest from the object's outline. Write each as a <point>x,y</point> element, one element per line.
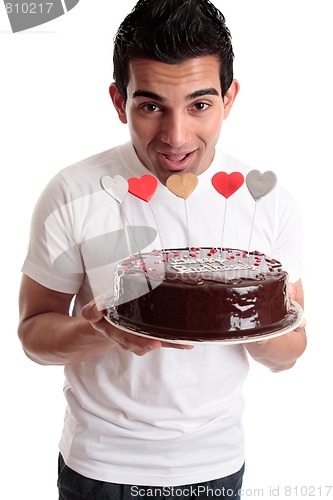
<point>260,184</point>
<point>116,186</point>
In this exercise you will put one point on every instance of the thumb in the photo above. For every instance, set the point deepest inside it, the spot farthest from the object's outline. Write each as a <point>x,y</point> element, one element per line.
<point>291,290</point>
<point>91,312</point>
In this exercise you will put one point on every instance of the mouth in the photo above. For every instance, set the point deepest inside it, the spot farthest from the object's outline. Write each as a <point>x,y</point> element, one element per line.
<point>176,162</point>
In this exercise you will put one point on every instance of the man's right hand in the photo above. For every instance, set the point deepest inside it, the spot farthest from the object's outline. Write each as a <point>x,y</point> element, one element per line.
<point>130,342</point>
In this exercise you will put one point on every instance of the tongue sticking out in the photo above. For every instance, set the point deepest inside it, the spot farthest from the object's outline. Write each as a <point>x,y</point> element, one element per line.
<point>176,158</point>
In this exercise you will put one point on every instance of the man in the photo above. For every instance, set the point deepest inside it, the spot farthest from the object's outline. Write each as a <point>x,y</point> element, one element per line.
<point>145,417</point>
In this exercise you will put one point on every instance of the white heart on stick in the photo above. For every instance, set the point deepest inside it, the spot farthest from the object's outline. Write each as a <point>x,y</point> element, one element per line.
<point>260,184</point>
<point>116,186</point>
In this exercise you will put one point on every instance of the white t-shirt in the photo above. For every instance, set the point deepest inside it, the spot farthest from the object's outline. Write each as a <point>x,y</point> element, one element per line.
<point>170,417</point>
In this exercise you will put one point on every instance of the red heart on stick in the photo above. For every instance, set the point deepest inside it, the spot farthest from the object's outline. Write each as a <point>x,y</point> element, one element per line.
<point>227,184</point>
<point>143,187</point>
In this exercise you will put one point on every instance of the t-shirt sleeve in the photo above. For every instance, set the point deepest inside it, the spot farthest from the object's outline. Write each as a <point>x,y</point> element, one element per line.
<point>53,258</point>
<point>288,241</point>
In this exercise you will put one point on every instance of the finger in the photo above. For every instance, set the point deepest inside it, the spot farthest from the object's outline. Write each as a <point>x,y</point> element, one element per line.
<point>291,290</point>
<point>301,327</point>
<point>172,345</point>
<point>134,343</point>
<point>91,312</point>
<point>143,345</point>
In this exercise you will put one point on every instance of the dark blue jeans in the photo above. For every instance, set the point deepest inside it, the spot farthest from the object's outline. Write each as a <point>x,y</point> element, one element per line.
<point>73,486</point>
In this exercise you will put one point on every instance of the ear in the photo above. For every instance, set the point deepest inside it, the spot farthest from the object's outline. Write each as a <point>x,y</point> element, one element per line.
<point>118,102</point>
<point>230,97</point>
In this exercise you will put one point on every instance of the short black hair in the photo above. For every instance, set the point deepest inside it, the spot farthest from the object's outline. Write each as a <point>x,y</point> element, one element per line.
<point>172,31</point>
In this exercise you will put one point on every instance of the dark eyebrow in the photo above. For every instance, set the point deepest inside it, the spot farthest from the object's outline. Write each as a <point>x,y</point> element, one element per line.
<point>202,92</point>
<point>157,97</point>
<point>147,93</point>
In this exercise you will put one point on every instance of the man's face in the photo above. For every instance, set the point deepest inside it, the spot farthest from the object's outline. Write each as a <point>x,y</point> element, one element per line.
<point>174,113</point>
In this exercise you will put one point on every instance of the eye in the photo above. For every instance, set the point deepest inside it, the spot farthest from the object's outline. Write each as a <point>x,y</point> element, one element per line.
<point>200,106</point>
<point>150,107</point>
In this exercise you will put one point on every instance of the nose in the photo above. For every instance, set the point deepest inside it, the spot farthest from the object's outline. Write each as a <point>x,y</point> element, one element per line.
<point>176,130</point>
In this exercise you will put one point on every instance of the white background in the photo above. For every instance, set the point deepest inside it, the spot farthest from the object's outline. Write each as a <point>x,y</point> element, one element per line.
<point>55,110</point>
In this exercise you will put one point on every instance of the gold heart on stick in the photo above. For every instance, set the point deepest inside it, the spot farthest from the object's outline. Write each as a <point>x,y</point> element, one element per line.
<point>182,185</point>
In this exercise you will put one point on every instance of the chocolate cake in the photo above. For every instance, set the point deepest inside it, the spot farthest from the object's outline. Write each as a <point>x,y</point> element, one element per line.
<point>201,294</point>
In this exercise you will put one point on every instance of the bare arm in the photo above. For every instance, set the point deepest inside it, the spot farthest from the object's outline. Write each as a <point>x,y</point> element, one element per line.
<point>281,353</point>
<point>50,336</point>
